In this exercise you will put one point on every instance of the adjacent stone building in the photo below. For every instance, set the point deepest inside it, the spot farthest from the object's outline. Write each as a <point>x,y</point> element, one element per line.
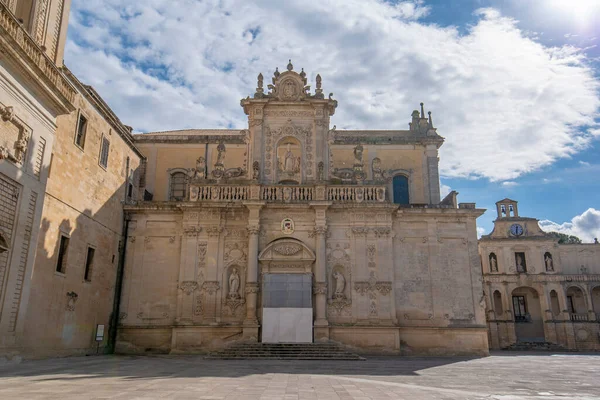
<point>78,252</point>
<point>67,165</point>
<point>539,291</point>
<point>294,231</point>
<point>33,93</point>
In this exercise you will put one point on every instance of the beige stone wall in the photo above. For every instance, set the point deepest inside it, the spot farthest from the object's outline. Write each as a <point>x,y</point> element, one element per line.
<point>83,202</point>
<point>397,271</point>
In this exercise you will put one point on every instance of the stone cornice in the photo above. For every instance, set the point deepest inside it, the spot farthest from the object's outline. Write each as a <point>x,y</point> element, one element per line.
<point>107,113</point>
<point>19,48</point>
<point>383,137</point>
<point>517,278</point>
<point>210,136</point>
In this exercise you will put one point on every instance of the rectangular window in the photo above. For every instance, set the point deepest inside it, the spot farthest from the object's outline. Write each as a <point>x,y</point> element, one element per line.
<point>104,152</point>
<point>89,262</point>
<point>81,131</point>
<point>520,308</point>
<point>63,247</point>
<point>178,186</point>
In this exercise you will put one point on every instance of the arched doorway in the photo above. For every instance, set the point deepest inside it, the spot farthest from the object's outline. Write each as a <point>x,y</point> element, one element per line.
<point>287,311</point>
<point>529,323</point>
<point>576,304</point>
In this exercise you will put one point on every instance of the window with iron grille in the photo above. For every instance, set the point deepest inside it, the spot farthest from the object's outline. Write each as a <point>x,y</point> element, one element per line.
<point>104,152</point>
<point>81,131</point>
<point>520,308</point>
<point>178,186</point>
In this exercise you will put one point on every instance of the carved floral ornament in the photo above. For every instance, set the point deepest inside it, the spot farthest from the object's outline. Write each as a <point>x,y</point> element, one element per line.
<point>14,136</point>
<point>188,287</point>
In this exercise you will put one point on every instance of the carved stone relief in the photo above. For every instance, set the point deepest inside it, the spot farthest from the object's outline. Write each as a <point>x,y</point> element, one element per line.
<point>303,135</point>
<point>14,136</point>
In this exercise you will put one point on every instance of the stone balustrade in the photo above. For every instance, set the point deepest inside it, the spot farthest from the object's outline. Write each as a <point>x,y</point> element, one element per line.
<point>10,27</point>
<point>579,317</point>
<point>287,193</point>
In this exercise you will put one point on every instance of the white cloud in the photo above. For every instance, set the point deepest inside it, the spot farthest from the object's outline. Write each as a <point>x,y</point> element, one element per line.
<point>480,232</point>
<point>585,226</point>
<point>444,190</point>
<point>493,91</point>
<point>585,163</point>
<point>509,184</point>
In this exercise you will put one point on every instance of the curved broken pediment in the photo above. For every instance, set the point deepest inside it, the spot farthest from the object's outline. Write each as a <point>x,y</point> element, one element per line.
<point>286,255</point>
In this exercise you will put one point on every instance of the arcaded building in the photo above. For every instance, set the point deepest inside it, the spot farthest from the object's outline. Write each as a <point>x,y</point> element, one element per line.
<point>291,230</point>
<point>539,292</point>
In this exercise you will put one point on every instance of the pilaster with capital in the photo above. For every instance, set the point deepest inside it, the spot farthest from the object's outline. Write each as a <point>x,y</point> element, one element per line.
<point>321,271</point>
<point>252,286</point>
<point>187,284</point>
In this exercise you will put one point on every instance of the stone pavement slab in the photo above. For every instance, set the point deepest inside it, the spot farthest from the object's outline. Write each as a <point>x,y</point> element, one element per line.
<point>502,376</point>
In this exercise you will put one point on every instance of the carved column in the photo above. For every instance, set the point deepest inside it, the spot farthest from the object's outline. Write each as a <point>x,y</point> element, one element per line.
<point>251,322</point>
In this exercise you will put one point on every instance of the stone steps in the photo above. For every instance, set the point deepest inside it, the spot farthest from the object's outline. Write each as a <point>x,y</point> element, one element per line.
<point>535,346</point>
<point>284,351</point>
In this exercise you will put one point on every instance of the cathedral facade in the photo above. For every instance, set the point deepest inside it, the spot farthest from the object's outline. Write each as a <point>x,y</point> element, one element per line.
<point>294,231</point>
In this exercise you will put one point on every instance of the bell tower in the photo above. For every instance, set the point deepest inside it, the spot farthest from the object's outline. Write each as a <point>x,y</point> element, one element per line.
<point>507,208</point>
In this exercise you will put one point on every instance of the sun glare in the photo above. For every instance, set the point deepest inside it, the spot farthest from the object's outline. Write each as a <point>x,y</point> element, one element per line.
<point>580,9</point>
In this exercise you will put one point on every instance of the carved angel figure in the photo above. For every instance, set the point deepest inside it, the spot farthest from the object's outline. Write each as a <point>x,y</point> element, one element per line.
<point>221,153</point>
<point>198,172</point>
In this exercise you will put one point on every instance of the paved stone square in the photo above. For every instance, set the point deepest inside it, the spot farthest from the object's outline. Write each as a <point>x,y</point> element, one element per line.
<point>503,376</point>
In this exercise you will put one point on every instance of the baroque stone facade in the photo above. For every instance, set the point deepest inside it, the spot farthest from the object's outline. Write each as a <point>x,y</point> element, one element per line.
<point>536,290</point>
<point>392,268</point>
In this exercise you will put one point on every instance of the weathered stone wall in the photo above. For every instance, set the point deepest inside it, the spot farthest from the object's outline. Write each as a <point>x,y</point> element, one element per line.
<point>396,291</point>
<point>84,201</point>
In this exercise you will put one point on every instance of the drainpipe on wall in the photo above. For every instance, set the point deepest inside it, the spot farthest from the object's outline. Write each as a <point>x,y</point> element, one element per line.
<point>114,318</point>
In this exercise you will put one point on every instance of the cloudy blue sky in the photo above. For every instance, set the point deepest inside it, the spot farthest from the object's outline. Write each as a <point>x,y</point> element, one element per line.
<point>514,85</point>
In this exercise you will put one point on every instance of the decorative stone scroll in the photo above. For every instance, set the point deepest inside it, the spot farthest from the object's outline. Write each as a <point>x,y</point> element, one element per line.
<point>14,136</point>
<point>188,287</point>
<point>71,300</point>
<point>211,287</point>
<point>373,285</point>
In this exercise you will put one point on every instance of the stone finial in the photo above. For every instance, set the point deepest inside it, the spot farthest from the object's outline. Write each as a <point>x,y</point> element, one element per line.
<point>430,120</point>
<point>318,81</point>
<point>290,67</point>
<point>276,74</point>
<point>259,87</point>
<point>302,73</point>
<point>422,111</point>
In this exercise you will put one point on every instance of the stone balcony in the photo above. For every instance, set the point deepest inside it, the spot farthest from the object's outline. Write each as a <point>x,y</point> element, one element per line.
<point>287,193</point>
<point>16,43</point>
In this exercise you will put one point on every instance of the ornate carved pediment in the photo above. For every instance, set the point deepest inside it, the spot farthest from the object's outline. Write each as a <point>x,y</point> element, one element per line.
<point>287,255</point>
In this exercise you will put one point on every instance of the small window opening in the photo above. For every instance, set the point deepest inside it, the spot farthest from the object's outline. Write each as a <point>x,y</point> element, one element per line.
<point>81,131</point>
<point>89,262</point>
<point>63,247</point>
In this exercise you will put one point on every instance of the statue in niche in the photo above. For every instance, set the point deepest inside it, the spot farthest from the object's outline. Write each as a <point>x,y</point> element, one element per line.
<point>289,159</point>
<point>519,260</point>
<point>340,285</point>
<point>549,262</point>
<point>234,285</point>
<point>290,163</point>
<point>493,263</point>
<point>255,170</point>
